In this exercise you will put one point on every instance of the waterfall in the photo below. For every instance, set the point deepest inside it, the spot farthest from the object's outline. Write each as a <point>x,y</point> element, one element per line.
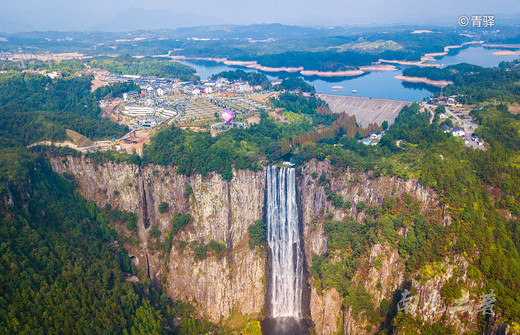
<point>284,241</point>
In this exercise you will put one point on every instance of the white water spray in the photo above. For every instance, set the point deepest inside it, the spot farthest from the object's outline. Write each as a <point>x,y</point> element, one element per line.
<point>284,240</point>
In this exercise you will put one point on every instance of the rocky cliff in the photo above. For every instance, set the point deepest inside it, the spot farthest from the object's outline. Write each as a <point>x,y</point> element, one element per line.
<point>326,307</point>
<point>222,211</point>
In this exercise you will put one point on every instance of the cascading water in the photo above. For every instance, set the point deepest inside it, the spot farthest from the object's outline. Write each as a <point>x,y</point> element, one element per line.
<point>284,241</point>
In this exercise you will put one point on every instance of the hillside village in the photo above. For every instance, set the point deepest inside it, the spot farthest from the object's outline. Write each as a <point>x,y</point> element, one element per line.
<point>197,106</point>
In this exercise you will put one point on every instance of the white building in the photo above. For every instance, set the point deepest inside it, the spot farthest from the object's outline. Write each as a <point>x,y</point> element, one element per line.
<point>458,131</point>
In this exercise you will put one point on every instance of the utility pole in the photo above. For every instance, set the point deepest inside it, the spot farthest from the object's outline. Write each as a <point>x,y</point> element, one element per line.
<point>21,57</point>
<point>442,65</point>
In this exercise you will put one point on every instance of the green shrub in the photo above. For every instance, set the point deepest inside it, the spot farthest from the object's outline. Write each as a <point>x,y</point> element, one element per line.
<point>378,264</point>
<point>384,308</point>
<point>182,244</point>
<point>154,231</point>
<point>163,207</point>
<point>201,251</point>
<point>256,234</point>
<point>189,190</point>
<point>180,221</point>
<point>360,206</point>
<point>218,248</point>
<point>132,226</point>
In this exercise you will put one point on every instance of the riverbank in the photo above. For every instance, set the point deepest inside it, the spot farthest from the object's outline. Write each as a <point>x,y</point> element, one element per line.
<point>299,70</point>
<point>423,80</point>
<point>329,74</point>
<point>410,63</point>
<point>431,56</point>
<point>383,65</point>
<point>501,46</point>
<point>507,53</point>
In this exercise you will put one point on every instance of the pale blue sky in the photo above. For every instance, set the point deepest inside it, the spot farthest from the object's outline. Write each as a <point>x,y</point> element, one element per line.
<point>304,12</point>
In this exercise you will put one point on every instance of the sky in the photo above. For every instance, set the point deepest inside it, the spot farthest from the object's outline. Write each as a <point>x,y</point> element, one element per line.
<point>81,15</point>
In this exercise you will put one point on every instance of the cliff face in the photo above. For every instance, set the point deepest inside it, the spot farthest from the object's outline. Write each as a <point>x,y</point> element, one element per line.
<point>381,282</point>
<point>354,187</point>
<point>222,211</point>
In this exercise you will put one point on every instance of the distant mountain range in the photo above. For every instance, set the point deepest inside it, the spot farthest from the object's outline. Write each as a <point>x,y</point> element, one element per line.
<point>186,23</point>
<point>128,20</point>
<point>147,19</point>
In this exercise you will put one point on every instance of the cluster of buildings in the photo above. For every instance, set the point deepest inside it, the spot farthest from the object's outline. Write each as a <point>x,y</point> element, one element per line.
<point>165,99</point>
<point>221,85</point>
<point>460,132</point>
<point>456,111</point>
<point>477,139</point>
<point>456,131</point>
<point>161,99</point>
<point>450,101</point>
<point>373,139</point>
<point>142,111</point>
<point>157,87</point>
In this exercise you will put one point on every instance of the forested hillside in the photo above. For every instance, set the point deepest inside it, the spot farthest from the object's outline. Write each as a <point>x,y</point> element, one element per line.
<point>60,273</point>
<point>34,107</point>
<point>60,270</point>
<point>158,67</point>
<point>476,84</point>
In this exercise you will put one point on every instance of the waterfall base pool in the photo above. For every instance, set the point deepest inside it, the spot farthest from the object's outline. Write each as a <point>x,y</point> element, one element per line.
<point>284,326</point>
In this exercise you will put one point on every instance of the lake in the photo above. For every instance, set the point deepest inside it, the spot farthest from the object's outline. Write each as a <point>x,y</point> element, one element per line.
<point>375,84</point>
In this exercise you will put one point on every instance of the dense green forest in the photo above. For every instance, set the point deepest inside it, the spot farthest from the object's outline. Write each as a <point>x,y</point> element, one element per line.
<point>330,60</point>
<point>148,66</point>
<point>294,84</point>
<point>252,77</point>
<point>60,271</point>
<point>60,274</point>
<point>256,78</point>
<point>115,90</point>
<point>35,108</point>
<point>335,52</point>
<point>476,84</point>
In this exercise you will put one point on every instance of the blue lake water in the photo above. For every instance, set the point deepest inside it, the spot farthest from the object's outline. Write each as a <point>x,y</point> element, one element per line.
<point>376,84</point>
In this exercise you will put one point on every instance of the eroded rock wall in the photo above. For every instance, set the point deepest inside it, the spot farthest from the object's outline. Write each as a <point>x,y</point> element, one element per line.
<point>222,211</point>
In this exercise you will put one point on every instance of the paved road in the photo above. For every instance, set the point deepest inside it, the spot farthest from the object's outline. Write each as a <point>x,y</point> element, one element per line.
<point>468,124</point>
<point>469,128</point>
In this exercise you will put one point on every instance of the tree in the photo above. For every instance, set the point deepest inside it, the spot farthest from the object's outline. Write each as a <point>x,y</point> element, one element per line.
<point>440,109</point>
<point>257,233</point>
<point>180,221</point>
<point>164,207</point>
<point>360,206</point>
<point>285,145</point>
